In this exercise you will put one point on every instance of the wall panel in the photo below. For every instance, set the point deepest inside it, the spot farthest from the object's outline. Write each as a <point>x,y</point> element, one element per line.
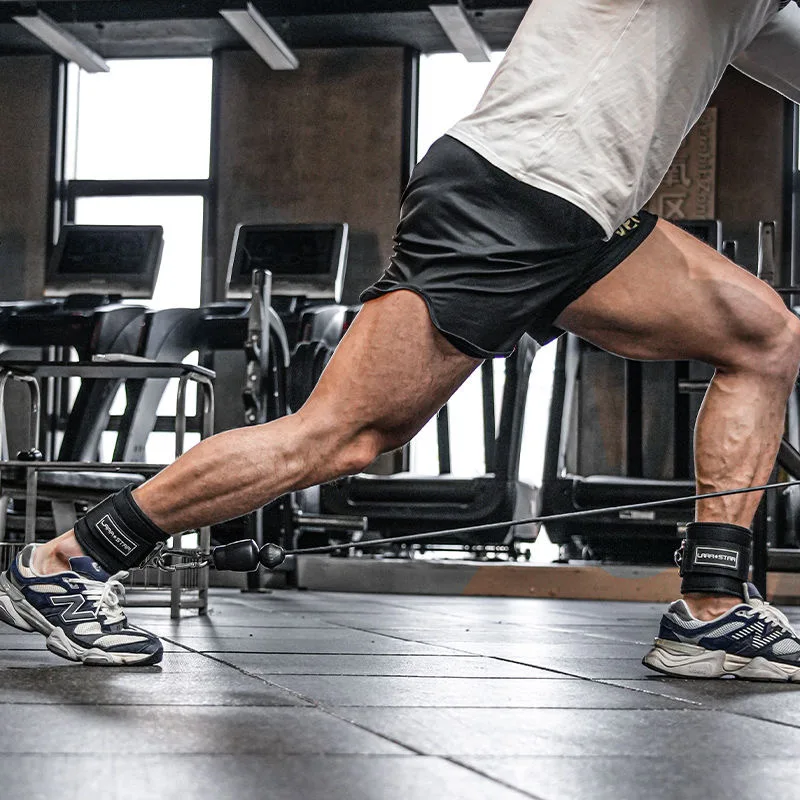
<point>26,92</point>
<point>322,143</point>
<point>750,156</point>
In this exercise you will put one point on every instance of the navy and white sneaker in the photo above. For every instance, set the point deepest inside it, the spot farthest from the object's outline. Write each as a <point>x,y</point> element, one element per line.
<point>78,611</point>
<point>753,641</point>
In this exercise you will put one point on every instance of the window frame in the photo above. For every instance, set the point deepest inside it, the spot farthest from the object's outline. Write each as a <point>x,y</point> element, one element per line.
<point>791,238</point>
<point>68,191</point>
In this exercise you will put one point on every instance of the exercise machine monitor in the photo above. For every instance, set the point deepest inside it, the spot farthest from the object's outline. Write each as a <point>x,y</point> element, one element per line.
<point>106,259</point>
<point>305,260</point>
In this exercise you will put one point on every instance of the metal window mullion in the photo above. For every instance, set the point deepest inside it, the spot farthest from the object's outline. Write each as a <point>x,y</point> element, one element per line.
<point>137,188</point>
<point>791,249</point>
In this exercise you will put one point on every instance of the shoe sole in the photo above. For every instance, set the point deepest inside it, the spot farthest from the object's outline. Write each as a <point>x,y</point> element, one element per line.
<point>15,610</point>
<point>683,660</point>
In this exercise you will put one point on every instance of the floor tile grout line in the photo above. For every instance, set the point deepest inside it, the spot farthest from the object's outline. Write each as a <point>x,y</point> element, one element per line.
<point>384,675</point>
<point>512,627</point>
<point>342,718</point>
<point>325,709</point>
<point>427,677</point>
<point>704,703</point>
<point>550,626</point>
<point>330,710</point>
<point>216,753</point>
<point>314,704</point>
<point>397,604</point>
<point>456,652</point>
<point>121,704</point>
<point>472,768</point>
<point>610,682</point>
<point>459,650</point>
<point>756,717</point>
<point>601,681</point>
<point>322,706</point>
<point>463,654</point>
<point>348,626</point>
<point>378,602</point>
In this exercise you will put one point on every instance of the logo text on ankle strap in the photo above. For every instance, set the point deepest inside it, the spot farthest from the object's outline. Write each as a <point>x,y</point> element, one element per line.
<point>718,556</point>
<point>111,532</point>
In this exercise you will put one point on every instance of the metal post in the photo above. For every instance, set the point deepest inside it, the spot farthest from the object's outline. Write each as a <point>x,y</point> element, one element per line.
<point>633,419</point>
<point>254,395</point>
<point>681,421</point>
<point>443,440</point>
<point>175,585</point>
<point>489,431</point>
<point>180,416</point>
<point>31,472</point>
<point>760,549</point>
<point>207,429</point>
<point>767,268</point>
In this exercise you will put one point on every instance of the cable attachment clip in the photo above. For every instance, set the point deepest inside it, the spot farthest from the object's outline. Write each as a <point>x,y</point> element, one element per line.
<point>679,553</point>
<point>189,559</point>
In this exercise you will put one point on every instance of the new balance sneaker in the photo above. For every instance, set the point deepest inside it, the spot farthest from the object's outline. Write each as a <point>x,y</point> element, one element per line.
<point>78,611</point>
<point>753,640</point>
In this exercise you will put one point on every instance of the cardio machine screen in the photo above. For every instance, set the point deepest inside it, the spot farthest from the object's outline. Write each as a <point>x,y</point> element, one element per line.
<point>307,260</point>
<point>106,258</point>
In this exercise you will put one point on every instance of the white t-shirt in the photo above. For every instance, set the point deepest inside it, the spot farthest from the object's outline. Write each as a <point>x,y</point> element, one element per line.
<point>594,97</point>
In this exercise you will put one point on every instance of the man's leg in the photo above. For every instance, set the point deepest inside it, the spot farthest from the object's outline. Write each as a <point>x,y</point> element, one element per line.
<point>392,371</point>
<point>676,298</point>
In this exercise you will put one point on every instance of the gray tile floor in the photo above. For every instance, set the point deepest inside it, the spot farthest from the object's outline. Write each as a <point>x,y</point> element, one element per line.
<point>305,696</point>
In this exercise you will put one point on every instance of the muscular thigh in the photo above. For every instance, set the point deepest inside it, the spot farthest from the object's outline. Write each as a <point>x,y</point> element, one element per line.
<point>674,297</point>
<point>392,371</point>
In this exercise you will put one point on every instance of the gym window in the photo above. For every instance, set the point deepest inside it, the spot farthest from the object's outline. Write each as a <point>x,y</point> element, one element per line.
<point>138,150</point>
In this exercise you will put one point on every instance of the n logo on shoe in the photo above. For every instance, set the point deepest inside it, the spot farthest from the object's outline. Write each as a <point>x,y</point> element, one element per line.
<point>74,610</point>
<point>717,557</point>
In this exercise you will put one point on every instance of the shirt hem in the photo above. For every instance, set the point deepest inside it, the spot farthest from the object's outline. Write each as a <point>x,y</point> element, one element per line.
<point>536,181</point>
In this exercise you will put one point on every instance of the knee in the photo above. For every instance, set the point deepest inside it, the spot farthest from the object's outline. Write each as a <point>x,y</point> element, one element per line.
<point>773,349</point>
<point>363,448</point>
<point>358,452</point>
<point>784,354</point>
<point>346,445</point>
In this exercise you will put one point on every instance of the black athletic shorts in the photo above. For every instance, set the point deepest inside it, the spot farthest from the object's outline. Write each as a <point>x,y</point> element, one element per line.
<point>493,257</point>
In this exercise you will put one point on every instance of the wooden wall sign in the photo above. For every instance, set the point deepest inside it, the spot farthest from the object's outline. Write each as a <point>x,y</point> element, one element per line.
<point>688,190</point>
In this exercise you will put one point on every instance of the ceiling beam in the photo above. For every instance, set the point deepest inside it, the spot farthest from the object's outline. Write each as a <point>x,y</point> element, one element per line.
<point>461,33</point>
<point>261,36</point>
<point>169,28</point>
<point>100,10</point>
<point>61,41</point>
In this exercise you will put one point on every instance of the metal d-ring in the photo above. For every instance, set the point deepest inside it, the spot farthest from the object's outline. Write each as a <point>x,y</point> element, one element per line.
<point>192,559</point>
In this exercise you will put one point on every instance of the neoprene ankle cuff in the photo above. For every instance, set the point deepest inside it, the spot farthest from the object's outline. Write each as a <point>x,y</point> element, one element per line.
<point>117,533</point>
<point>714,558</point>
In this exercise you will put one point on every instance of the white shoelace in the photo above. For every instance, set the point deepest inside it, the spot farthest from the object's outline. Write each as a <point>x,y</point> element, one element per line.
<point>106,595</point>
<point>764,609</point>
